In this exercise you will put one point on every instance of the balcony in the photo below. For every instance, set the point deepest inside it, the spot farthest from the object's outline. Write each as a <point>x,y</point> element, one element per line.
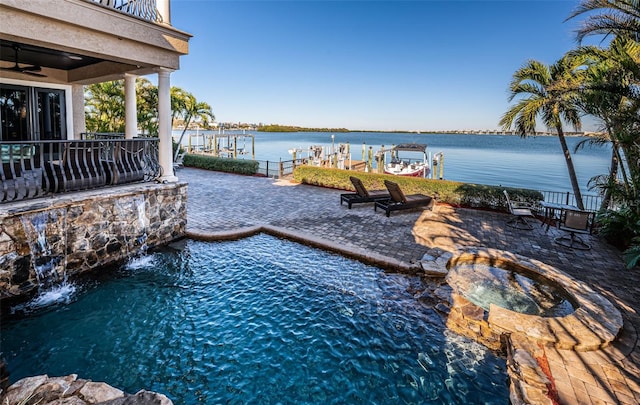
<point>42,168</point>
<point>145,9</point>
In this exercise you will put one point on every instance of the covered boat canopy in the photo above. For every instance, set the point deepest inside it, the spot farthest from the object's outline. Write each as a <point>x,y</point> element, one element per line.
<point>411,147</point>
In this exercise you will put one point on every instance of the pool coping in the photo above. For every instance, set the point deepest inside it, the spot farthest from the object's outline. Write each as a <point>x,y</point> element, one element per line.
<point>363,255</point>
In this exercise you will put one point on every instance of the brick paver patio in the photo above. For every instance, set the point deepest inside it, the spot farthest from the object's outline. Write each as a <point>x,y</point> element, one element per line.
<point>222,204</point>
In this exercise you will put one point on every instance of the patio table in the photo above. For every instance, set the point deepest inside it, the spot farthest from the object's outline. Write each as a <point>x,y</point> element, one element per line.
<point>553,211</point>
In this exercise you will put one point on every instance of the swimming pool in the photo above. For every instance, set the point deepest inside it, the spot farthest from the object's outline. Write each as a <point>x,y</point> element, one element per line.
<point>258,320</point>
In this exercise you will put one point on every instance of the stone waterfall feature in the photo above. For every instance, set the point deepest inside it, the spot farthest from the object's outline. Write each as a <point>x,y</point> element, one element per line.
<point>46,244</point>
<point>43,241</point>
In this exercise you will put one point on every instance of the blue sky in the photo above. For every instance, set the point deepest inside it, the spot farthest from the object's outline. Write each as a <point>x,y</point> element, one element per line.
<point>378,65</point>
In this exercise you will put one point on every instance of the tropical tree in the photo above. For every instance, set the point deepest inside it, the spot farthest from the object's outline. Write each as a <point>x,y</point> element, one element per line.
<point>609,18</point>
<point>548,92</point>
<point>617,103</point>
<point>186,107</point>
<point>147,106</point>
<point>609,95</point>
<point>104,107</point>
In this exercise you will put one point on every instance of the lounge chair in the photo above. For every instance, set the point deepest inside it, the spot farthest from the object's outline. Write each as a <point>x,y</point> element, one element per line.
<point>519,211</point>
<point>362,195</point>
<point>574,222</point>
<point>399,201</point>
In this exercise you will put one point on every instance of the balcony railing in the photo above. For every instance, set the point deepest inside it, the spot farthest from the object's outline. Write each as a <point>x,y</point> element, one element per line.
<point>145,9</point>
<point>38,168</point>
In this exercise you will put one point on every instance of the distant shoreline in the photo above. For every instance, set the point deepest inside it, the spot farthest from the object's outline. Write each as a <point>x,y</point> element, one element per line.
<point>281,129</point>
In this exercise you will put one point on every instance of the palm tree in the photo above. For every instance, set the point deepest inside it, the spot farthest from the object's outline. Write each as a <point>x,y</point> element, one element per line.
<point>609,95</point>
<point>616,17</point>
<point>549,92</point>
<point>186,107</point>
<point>147,106</point>
<point>104,107</point>
<point>619,18</point>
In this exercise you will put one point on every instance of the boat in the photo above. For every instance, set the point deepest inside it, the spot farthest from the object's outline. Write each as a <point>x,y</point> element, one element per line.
<point>405,165</point>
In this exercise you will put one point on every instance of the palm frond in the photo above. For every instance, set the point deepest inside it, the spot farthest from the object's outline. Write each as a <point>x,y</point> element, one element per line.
<point>617,17</point>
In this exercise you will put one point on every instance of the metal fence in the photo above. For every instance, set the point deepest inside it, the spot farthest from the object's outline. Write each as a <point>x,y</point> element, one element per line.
<point>279,169</point>
<point>591,202</point>
<point>37,168</point>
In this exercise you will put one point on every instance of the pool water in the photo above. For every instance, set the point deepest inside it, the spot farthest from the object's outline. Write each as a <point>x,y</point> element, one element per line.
<point>259,320</point>
<point>508,288</point>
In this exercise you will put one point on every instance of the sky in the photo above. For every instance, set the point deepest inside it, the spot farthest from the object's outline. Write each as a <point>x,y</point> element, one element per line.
<point>421,65</point>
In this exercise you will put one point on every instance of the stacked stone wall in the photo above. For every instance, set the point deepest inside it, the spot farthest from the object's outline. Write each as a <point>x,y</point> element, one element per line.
<point>46,240</point>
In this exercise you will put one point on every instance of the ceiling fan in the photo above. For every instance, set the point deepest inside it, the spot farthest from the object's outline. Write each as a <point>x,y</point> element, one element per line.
<point>27,70</point>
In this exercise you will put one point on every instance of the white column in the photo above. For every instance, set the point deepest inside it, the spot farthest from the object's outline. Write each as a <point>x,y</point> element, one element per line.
<point>130,106</point>
<point>78,123</point>
<point>164,126</point>
<point>163,7</point>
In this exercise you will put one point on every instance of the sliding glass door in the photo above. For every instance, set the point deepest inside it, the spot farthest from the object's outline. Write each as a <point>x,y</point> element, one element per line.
<point>50,114</point>
<point>14,113</point>
<point>29,113</point>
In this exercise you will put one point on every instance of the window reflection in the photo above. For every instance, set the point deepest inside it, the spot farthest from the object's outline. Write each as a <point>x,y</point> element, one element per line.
<point>29,113</point>
<point>13,113</point>
<point>50,115</point>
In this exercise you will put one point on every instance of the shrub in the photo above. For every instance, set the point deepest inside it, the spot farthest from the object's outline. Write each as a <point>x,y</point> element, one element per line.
<point>239,166</point>
<point>451,192</point>
<point>621,228</point>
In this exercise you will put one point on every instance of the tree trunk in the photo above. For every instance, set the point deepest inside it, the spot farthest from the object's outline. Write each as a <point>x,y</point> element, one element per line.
<point>613,174</point>
<point>186,125</point>
<point>570,168</point>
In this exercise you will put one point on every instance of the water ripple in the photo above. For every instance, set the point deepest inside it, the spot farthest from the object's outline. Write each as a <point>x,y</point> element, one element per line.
<point>261,320</point>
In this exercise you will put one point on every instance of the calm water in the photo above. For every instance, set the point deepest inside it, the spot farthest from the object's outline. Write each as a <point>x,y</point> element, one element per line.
<point>260,320</point>
<point>534,162</point>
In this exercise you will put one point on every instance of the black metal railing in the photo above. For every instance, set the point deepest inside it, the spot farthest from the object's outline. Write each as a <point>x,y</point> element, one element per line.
<point>145,9</point>
<point>38,168</point>
<point>591,202</point>
<point>102,135</point>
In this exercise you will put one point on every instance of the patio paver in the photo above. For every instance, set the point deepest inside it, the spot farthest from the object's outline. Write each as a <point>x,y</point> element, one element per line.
<point>221,204</point>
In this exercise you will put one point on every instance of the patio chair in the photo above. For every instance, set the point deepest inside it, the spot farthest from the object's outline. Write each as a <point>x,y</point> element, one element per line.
<point>574,222</point>
<point>362,195</point>
<point>399,201</point>
<point>519,212</point>
<point>179,162</point>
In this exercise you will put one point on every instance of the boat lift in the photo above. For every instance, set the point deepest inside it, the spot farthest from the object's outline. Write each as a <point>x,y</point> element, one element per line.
<point>221,144</point>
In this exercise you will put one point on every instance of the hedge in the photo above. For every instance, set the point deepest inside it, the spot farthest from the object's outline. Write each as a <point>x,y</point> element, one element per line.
<point>451,192</point>
<point>239,166</point>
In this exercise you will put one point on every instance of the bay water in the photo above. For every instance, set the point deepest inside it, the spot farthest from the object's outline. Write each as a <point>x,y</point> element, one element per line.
<point>535,162</point>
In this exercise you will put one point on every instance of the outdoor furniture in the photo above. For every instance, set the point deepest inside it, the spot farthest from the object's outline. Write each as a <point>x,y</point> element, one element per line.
<point>519,212</point>
<point>553,212</point>
<point>574,222</point>
<point>399,201</point>
<point>179,162</point>
<point>362,195</point>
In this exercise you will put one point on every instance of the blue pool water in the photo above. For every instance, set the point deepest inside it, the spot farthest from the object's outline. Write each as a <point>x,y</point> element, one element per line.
<point>259,320</point>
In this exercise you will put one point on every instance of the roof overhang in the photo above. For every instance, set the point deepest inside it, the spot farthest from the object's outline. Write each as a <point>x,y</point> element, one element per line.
<point>83,42</point>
